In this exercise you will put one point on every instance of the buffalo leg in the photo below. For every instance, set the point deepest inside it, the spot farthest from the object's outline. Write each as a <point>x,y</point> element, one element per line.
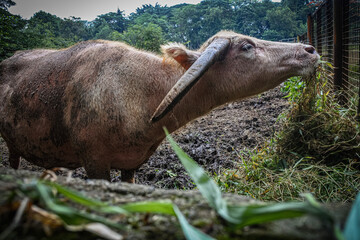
<point>14,159</point>
<point>97,171</point>
<point>128,176</point>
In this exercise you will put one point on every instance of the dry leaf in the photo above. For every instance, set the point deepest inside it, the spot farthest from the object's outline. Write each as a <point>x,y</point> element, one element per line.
<point>98,229</point>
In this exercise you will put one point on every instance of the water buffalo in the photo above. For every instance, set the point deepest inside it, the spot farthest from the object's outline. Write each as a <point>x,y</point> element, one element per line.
<point>102,104</point>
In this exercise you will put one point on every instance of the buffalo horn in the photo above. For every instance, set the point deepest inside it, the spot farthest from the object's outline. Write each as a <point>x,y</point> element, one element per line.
<point>191,76</point>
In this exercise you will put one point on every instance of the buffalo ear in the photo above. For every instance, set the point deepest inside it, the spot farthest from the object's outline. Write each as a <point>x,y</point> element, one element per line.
<point>181,54</point>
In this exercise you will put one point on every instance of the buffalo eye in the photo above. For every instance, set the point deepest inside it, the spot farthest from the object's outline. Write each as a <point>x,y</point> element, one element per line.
<point>246,47</point>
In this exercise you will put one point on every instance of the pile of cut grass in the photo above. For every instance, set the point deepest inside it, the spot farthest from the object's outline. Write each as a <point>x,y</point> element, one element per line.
<point>317,150</point>
<point>319,127</point>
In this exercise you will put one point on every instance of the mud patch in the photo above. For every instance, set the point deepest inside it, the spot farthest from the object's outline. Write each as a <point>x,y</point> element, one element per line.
<point>214,141</point>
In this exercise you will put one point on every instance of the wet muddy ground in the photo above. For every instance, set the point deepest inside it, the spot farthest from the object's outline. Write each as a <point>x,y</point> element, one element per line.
<point>214,141</point>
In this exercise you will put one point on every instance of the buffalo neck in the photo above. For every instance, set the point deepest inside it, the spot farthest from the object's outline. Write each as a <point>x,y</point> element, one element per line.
<point>200,99</point>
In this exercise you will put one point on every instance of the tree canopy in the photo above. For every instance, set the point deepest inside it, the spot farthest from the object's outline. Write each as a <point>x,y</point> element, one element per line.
<point>5,4</point>
<point>150,26</point>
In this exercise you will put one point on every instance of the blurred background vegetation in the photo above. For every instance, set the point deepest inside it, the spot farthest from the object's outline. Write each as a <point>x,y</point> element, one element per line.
<point>150,26</point>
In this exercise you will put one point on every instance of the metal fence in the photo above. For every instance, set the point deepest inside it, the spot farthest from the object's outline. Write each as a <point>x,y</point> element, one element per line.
<point>334,29</point>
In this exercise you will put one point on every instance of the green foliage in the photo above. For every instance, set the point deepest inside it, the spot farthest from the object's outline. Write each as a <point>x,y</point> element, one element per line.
<point>45,30</point>
<point>74,29</point>
<point>5,4</point>
<point>187,28</point>
<point>148,37</point>
<point>157,15</point>
<point>105,32</point>
<point>282,21</point>
<point>300,8</point>
<point>106,25</point>
<point>196,23</point>
<point>116,21</point>
<point>184,23</point>
<point>12,35</point>
<point>293,87</point>
<point>251,17</point>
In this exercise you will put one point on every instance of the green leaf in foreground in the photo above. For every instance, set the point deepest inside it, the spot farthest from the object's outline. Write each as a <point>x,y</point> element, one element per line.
<point>161,207</point>
<point>204,183</point>
<point>190,232</point>
<point>250,214</point>
<point>256,214</point>
<point>73,217</point>
<point>69,215</point>
<point>85,201</point>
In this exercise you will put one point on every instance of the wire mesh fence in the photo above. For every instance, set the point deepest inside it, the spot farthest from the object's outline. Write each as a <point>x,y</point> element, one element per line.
<point>334,29</point>
<point>351,36</point>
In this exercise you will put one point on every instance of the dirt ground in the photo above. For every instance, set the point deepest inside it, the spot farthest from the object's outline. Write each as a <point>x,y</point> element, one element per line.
<point>214,141</point>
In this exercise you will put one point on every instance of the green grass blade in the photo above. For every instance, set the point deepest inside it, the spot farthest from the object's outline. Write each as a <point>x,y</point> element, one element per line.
<point>69,215</point>
<point>256,214</point>
<point>73,217</point>
<point>150,207</point>
<point>338,233</point>
<point>189,231</point>
<point>85,201</point>
<point>204,183</point>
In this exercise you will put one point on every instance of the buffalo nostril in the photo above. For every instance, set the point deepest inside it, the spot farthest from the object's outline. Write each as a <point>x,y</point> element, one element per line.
<point>310,49</point>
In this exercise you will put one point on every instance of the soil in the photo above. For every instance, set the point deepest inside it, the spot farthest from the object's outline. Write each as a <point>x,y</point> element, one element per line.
<point>214,141</point>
